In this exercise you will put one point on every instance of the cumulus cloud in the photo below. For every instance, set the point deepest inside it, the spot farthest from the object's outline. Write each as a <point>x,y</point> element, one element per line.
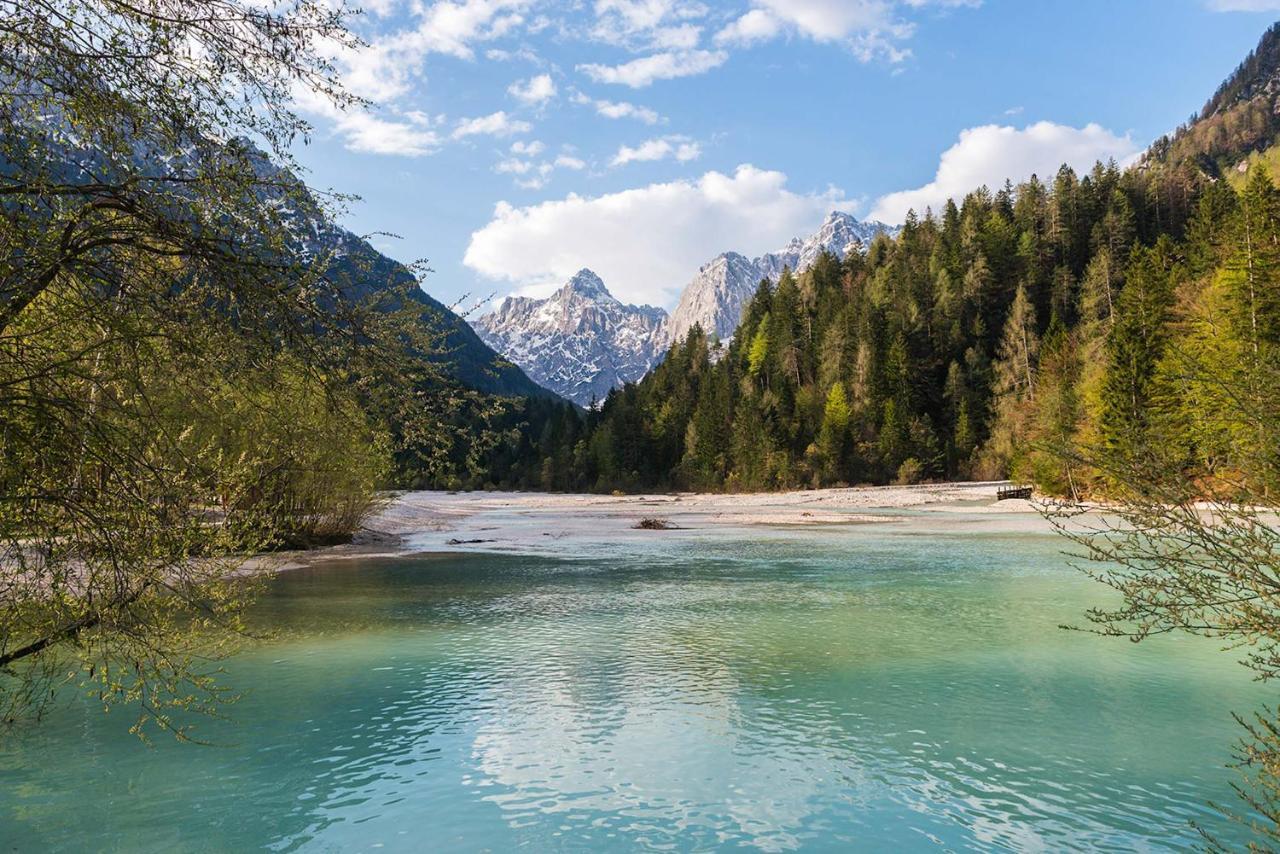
<point>664,40</point>
<point>618,109</point>
<point>529,174</point>
<point>990,154</point>
<point>661,148</point>
<point>646,243</point>
<point>372,135</point>
<point>391,65</point>
<point>830,20</point>
<point>541,174</point>
<point>452,27</point>
<point>534,91</point>
<point>523,54</point>
<point>513,166</point>
<point>494,124</point>
<point>639,73</point>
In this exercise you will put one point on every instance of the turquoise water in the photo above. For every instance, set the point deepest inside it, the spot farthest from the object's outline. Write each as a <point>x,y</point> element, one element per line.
<point>876,687</point>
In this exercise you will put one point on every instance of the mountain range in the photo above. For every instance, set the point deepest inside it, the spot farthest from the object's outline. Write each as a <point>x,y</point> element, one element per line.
<point>581,341</point>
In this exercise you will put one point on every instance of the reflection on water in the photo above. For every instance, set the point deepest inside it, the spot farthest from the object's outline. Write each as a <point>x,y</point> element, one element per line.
<point>872,687</point>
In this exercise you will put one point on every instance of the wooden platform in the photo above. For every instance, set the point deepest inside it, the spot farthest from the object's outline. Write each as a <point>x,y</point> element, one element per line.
<point>1013,491</point>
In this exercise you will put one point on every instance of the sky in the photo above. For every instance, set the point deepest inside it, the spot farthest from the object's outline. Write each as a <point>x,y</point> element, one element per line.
<point>513,142</point>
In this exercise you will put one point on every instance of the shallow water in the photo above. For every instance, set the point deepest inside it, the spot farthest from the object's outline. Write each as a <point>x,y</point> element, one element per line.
<point>884,686</point>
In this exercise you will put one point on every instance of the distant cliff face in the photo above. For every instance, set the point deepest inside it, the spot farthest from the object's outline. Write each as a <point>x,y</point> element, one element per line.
<point>716,295</point>
<point>580,342</point>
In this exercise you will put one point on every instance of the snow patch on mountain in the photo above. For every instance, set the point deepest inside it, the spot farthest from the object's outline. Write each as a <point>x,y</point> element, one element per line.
<point>580,342</point>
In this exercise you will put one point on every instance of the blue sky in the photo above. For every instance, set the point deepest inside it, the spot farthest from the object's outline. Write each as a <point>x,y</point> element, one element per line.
<point>514,142</point>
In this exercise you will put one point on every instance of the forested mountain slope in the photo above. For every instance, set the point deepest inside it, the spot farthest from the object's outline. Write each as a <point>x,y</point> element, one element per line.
<point>361,273</point>
<point>1242,117</point>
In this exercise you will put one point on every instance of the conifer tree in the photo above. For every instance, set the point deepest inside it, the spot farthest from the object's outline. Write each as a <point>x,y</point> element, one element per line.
<point>1134,348</point>
<point>835,429</point>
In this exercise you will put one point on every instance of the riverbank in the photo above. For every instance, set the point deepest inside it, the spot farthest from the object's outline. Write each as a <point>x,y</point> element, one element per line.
<point>414,511</point>
<point>416,522</point>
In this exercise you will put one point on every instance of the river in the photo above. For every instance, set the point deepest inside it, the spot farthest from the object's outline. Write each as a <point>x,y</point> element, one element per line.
<point>888,685</point>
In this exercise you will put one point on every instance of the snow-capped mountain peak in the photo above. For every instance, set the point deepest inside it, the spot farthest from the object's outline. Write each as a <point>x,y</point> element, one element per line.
<point>579,342</point>
<point>585,284</point>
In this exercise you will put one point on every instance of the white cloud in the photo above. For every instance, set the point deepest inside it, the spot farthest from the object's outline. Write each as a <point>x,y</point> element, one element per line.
<point>666,39</point>
<point>869,28</point>
<point>648,24</point>
<point>534,91</point>
<point>539,177</point>
<point>990,154</point>
<point>451,27</point>
<point>618,109</point>
<point>532,175</point>
<point>646,243</point>
<point>669,65</point>
<point>625,109</point>
<point>513,166</point>
<point>1244,5</point>
<point>529,149</point>
<point>494,124</point>
<point>683,37</point>
<point>379,8</point>
<point>391,66</point>
<point>658,149</point>
<point>408,134</point>
<point>387,67</point>
<point>830,20</point>
<point>373,135</point>
<point>755,26</point>
<point>523,54</point>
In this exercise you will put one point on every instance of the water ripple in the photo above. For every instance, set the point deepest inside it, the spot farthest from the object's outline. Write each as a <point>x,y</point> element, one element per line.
<point>785,694</point>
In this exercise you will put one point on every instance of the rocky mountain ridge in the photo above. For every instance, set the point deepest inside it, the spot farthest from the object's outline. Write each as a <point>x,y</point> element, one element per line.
<point>715,296</point>
<point>581,341</point>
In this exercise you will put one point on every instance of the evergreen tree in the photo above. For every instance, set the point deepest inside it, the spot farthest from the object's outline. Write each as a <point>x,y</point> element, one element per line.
<point>1135,346</point>
<point>835,430</point>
